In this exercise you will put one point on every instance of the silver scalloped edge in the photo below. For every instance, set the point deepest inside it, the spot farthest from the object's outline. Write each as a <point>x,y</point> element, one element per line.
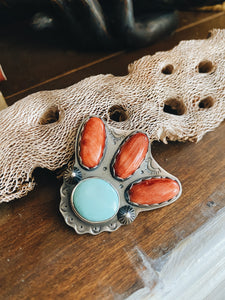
<point>78,225</point>
<point>127,211</point>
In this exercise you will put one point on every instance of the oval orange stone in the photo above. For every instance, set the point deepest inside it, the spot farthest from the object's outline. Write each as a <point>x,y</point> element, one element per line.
<point>92,142</point>
<point>154,190</point>
<point>131,155</point>
<point>2,75</point>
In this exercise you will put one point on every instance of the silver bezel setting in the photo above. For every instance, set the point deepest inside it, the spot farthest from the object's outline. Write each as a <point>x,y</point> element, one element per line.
<point>149,168</point>
<point>86,220</point>
<point>79,135</point>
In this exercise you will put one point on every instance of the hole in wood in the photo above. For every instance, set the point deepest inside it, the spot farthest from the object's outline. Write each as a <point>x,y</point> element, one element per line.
<point>209,34</point>
<point>174,106</point>
<point>117,113</point>
<point>168,69</point>
<point>50,116</point>
<point>206,103</point>
<point>205,66</point>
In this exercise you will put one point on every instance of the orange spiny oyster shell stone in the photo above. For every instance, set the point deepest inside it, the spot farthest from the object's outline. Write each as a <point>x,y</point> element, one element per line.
<point>153,190</point>
<point>92,143</point>
<point>131,155</point>
<point>2,75</point>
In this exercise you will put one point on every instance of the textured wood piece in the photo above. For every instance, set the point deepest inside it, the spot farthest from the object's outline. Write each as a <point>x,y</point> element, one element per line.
<point>42,258</point>
<point>3,104</point>
<point>182,106</point>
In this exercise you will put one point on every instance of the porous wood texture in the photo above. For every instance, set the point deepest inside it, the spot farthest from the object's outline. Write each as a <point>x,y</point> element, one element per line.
<point>42,258</point>
<point>171,95</point>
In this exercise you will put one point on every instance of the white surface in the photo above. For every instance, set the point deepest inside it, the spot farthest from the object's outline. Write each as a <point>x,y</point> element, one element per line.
<point>195,269</point>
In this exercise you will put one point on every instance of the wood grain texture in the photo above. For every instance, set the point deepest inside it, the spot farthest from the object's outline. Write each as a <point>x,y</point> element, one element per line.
<point>42,258</point>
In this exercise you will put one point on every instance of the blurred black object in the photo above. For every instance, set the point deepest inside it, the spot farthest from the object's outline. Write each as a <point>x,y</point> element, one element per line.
<point>100,23</point>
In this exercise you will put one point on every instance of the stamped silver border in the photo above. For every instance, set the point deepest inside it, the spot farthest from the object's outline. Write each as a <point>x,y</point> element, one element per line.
<point>149,168</point>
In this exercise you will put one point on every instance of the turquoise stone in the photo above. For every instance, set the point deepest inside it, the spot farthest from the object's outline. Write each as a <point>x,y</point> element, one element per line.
<point>95,200</point>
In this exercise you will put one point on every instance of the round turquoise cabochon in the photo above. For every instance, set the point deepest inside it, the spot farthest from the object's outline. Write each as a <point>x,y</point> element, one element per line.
<point>95,200</point>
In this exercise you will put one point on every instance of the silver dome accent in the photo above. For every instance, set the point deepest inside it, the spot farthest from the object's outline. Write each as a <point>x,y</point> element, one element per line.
<point>72,176</point>
<point>126,215</point>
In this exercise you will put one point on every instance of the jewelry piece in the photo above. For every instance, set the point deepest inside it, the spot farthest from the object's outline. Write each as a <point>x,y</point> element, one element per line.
<point>113,179</point>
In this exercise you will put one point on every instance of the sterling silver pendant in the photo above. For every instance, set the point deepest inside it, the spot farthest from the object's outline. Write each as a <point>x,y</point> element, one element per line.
<point>113,179</point>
